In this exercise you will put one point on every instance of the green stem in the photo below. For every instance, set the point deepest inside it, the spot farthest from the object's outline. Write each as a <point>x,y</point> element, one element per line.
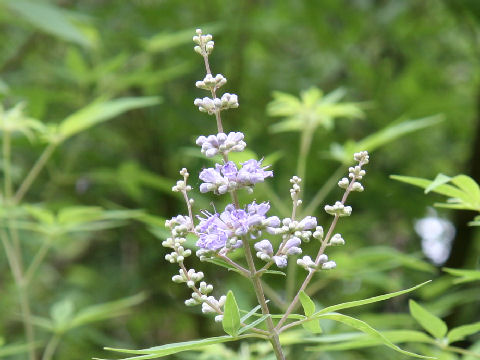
<point>32,175</point>
<point>14,252</point>
<point>323,191</point>
<point>51,347</point>
<point>461,351</point>
<point>37,260</point>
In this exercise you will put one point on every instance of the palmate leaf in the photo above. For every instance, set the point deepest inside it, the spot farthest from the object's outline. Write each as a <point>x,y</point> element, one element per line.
<point>367,329</point>
<point>431,323</point>
<point>169,349</point>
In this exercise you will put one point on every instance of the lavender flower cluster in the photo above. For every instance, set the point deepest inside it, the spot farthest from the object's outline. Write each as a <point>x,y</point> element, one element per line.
<point>220,233</point>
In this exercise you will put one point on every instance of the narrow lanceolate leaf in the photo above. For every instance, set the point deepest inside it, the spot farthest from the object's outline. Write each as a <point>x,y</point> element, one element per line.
<point>362,340</point>
<point>250,313</point>
<point>307,303</point>
<point>439,180</point>
<point>253,324</point>
<point>231,315</point>
<point>168,349</point>
<point>364,327</point>
<point>351,304</point>
<point>431,323</point>
<point>464,275</point>
<point>461,332</point>
<point>101,111</point>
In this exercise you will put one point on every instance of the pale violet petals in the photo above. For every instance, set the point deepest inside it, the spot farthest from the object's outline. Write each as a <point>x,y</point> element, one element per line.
<point>221,143</point>
<point>212,106</point>
<point>280,261</point>
<point>292,246</point>
<point>308,223</point>
<point>228,177</point>
<point>307,263</point>
<point>220,230</point>
<point>264,250</point>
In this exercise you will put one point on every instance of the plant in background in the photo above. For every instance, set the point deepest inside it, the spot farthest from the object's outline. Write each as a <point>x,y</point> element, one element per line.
<point>45,229</point>
<point>252,229</point>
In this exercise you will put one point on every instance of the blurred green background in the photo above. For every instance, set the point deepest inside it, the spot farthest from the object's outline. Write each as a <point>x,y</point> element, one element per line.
<point>393,60</point>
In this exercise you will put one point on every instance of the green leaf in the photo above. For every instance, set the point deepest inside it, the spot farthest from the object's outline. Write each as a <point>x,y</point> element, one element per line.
<point>275,272</point>
<point>364,327</point>
<point>231,315</point>
<point>101,111</point>
<point>307,303</point>
<point>374,299</point>
<point>469,186</point>
<point>461,332</point>
<point>249,314</point>
<point>253,324</point>
<point>50,19</point>
<point>465,275</point>
<point>427,320</point>
<point>445,189</point>
<point>313,326</point>
<point>439,180</point>
<point>164,350</point>
<point>362,340</point>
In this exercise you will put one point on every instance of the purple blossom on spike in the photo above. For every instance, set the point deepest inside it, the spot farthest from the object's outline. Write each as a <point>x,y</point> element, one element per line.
<point>308,223</point>
<point>292,246</point>
<point>280,261</point>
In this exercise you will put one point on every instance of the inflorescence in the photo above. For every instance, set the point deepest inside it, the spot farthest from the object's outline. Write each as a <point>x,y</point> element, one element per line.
<point>220,233</point>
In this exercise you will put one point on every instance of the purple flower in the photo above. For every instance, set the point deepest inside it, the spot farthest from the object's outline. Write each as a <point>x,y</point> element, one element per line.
<point>308,223</point>
<point>221,143</point>
<point>228,177</point>
<point>252,172</point>
<point>280,261</point>
<point>216,230</point>
<point>265,247</point>
<point>292,246</point>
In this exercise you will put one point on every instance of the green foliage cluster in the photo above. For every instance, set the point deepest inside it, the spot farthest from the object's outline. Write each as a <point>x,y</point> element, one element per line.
<point>83,200</point>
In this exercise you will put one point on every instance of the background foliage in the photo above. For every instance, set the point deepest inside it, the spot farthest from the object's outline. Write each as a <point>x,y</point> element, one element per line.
<point>395,60</point>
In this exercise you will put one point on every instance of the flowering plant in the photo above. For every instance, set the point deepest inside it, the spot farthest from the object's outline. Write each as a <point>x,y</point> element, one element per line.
<point>248,227</point>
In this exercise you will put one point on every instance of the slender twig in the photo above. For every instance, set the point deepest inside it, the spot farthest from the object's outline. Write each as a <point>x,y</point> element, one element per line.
<point>32,175</point>
<point>237,266</point>
<point>14,252</point>
<point>37,260</point>
<point>317,259</point>
<point>51,347</point>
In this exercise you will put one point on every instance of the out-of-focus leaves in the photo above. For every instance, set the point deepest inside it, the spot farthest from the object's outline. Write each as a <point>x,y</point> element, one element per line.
<point>167,40</point>
<point>14,120</point>
<point>344,153</point>
<point>464,194</point>
<point>464,275</point>
<point>14,349</point>
<point>97,112</point>
<point>67,220</point>
<point>50,19</point>
<point>310,110</point>
<point>64,318</point>
<point>433,324</point>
